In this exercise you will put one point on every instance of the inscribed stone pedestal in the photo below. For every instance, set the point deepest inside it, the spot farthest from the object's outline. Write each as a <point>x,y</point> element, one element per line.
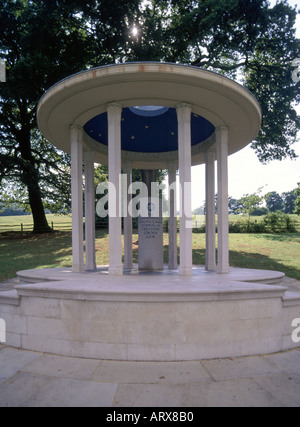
<point>150,254</point>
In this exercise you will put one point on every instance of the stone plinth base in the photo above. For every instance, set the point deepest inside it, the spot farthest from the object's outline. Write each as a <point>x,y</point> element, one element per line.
<point>150,255</point>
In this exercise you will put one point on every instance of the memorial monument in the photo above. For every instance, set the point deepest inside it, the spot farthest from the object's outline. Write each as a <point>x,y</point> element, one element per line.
<point>149,116</point>
<point>150,229</point>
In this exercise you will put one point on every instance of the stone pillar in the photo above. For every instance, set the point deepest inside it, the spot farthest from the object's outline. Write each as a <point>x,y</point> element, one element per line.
<point>114,112</point>
<point>150,228</point>
<point>184,156</point>
<point>222,173</point>
<point>127,219</point>
<point>90,255</point>
<point>76,196</point>
<point>173,263</point>
<point>210,260</point>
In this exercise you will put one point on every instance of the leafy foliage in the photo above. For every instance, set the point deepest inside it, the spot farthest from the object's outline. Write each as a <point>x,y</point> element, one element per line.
<point>297,201</point>
<point>44,41</point>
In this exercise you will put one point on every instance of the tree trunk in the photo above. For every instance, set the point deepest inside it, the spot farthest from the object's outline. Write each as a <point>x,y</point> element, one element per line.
<point>40,223</point>
<point>30,177</point>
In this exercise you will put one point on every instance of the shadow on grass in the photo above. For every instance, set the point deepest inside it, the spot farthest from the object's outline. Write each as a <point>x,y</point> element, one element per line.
<point>239,259</point>
<point>251,260</point>
<point>22,251</point>
<point>280,237</point>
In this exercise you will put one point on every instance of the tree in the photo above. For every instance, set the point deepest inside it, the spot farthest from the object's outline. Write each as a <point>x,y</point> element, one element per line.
<point>274,201</point>
<point>297,201</point>
<point>235,205</point>
<point>250,202</point>
<point>242,39</point>
<point>251,39</point>
<point>199,211</point>
<point>44,41</point>
<point>41,42</point>
<point>289,199</point>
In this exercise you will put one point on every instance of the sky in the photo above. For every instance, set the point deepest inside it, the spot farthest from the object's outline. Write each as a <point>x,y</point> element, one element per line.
<point>246,174</point>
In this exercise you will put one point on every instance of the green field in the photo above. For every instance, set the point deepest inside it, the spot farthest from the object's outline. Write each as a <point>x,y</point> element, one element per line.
<point>20,251</point>
<point>199,220</point>
<point>63,222</point>
<point>25,222</point>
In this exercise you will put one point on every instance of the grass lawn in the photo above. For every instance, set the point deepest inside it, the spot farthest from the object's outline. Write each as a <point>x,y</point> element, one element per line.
<point>21,251</point>
<point>279,252</point>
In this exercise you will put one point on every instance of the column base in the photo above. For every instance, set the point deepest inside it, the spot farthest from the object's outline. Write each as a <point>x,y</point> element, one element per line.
<point>211,267</point>
<point>172,266</point>
<point>128,266</point>
<point>223,269</point>
<point>116,271</point>
<point>78,268</point>
<point>185,271</point>
<point>91,267</point>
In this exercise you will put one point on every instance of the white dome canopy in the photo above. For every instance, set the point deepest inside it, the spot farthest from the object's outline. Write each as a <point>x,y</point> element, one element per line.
<point>214,99</point>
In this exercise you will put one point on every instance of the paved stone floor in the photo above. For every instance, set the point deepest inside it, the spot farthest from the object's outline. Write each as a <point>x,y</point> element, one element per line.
<point>42,380</point>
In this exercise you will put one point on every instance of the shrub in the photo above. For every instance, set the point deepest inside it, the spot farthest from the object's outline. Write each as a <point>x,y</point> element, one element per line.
<point>273,222</point>
<point>237,227</point>
<point>246,227</point>
<point>165,224</point>
<point>279,222</point>
<point>200,229</point>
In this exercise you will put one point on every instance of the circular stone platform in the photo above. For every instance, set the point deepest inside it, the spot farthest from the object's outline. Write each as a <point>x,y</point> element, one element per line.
<point>138,317</point>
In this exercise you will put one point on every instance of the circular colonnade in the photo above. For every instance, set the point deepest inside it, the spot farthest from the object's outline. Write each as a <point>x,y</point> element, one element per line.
<point>149,116</point>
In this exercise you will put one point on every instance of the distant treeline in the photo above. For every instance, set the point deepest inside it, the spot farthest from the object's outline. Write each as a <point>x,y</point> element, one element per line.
<point>13,212</point>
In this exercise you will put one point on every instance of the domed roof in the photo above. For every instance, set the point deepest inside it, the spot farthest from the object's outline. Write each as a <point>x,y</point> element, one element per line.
<point>149,94</point>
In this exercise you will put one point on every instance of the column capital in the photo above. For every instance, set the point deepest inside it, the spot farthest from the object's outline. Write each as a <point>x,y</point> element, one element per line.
<point>88,154</point>
<point>127,165</point>
<point>210,155</point>
<point>75,127</point>
<point>184,112</point>
<point>114,105</point>
<point>172,166</point>
<point>184,105</point>
<point>76,132</point>
<point>221,129</point>
<point>88,150</point>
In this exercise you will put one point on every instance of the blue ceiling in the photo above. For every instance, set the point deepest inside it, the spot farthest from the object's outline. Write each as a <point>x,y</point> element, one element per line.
<point>149,129</point>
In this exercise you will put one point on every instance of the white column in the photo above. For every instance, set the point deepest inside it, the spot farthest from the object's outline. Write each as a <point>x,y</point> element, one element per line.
<point>90,256</point>
<point>76,195</point>
<point>210,260</point>
<point>114,112</point>
<point>173,264</point>
<point>184,156</point>
<point>222,169</point>
<point>127,169</point>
